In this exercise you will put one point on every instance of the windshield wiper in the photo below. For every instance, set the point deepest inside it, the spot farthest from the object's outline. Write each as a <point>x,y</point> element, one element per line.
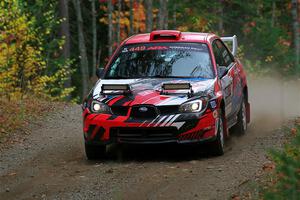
<point>195,69</point>
<point>117,77</point>
<point>157,76</point>
<point>162,76</point>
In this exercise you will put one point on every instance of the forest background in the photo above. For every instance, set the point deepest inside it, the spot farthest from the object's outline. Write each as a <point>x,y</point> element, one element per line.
<point>51,49</point>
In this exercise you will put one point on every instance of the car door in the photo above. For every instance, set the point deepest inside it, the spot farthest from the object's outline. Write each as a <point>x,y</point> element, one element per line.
<point>226,62</point>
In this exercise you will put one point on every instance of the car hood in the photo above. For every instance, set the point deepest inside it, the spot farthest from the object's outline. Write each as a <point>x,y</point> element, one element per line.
<point>147,91</point>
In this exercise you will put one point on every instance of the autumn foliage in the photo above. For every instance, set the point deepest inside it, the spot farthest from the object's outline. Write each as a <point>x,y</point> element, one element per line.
<point>28,78</point>
<point>23,67</point>
<point>139,17</point>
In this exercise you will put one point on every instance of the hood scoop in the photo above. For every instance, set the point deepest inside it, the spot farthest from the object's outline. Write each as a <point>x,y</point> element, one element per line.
<point>116,89</point>
<point>180,88</point>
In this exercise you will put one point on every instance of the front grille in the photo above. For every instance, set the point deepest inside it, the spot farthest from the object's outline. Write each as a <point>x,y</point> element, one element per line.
<point>144,112</point>
<point>168,110</point>
<point>119,110</point>
<point>144,135</point>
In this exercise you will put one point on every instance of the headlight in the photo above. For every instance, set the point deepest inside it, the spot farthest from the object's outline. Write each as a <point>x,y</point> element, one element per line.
<point>193,106</point>
<point>98,107</point>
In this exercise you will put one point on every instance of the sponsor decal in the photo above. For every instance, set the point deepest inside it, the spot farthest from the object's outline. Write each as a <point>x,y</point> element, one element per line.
<point>144,48</point>
<point>186,48</point>
<point>202,47</point>
<point>213,104</point>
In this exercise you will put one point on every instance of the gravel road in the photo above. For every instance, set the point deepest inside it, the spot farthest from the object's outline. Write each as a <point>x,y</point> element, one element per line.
<point>49,163</point>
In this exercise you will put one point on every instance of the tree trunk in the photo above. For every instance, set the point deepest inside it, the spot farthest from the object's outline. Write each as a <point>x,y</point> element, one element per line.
<point>166,15</point>
<point>99,58</point>
<point>65,33</point>
<point>221,16</point>
<point>161,16</point>
<point>82,49</point>
<point>119,21</point>
<point>149,16</point>
<point>94,27</point>
<point>174,16</point>
<point>138,19</point>
<point>131,31</point>
<point>296,33</point>
<point>273,13</point>
<point>110,27</point>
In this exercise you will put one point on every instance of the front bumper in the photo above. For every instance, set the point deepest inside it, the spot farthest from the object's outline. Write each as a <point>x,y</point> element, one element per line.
<point>176,128</point>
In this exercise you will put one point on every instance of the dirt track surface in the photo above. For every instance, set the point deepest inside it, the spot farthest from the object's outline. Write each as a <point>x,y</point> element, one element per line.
<point>50,162</point>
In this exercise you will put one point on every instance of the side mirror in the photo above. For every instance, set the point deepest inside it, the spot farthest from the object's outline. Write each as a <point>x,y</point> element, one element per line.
<point>222,71</point>
<point>99,72</point>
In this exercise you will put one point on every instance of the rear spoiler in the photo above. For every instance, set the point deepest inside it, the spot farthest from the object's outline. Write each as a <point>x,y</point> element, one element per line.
<point>232,39</point>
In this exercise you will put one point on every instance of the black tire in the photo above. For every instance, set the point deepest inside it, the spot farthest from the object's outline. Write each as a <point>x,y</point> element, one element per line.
<point>94,152</point>
<point>216,148</point>
<point>241,126</point>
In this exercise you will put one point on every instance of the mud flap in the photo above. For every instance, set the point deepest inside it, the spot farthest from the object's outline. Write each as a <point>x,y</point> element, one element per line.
<point>248,112</point>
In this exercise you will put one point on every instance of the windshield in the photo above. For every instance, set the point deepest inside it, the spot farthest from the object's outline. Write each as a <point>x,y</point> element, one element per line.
<point>162,60</point>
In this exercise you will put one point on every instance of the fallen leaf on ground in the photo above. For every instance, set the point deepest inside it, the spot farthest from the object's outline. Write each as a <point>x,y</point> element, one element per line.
<point>293,131</point>
<point>268,166</point>
<point>235,197</point>
<point>12,174</point>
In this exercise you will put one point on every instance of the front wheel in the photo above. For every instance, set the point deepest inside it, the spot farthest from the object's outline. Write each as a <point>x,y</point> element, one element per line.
<point>216,147</point>
<point>94,152</point>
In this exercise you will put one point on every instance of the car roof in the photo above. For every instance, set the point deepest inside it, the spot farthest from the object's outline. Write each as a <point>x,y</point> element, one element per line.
<point>170,36</point>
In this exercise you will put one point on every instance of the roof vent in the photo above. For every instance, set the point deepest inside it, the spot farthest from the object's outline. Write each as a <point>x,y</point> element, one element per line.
<point>165,35</point>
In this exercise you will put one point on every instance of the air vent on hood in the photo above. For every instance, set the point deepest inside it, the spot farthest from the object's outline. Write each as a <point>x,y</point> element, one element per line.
<point>166,87</point>
<point>115,88</point>
<point>165,35</point>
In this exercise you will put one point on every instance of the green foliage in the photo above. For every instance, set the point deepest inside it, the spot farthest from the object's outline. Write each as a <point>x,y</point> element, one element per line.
<point>287,182</point>
<point>256,68</point>
<point>195,15</point>
<point>271,46</point>
<point>25,64</point>
<point>265,26</point>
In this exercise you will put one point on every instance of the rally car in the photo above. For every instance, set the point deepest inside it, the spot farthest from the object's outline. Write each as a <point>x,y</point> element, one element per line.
<point>167,87</point>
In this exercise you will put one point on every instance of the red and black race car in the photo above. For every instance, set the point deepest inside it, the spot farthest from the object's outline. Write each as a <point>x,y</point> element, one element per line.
<point>167,87</point>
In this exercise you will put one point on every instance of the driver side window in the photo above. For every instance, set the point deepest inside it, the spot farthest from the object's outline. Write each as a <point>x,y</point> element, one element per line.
<point>219,59</point>
<point>222,61</point>
<point>223,53</point>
